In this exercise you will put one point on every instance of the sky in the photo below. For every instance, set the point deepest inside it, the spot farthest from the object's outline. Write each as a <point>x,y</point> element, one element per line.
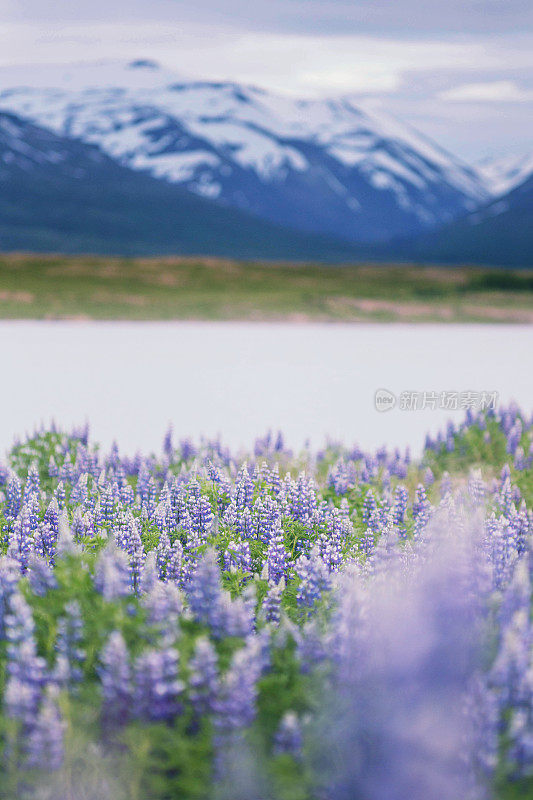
<point>460,71</point>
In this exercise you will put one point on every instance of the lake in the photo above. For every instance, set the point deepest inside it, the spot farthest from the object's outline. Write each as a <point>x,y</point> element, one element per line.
<point>130,380</point>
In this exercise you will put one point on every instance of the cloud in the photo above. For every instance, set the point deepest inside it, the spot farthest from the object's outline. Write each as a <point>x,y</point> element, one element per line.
<point>298,64</point>
<point>489,92</point>
<point>407,18</point>
<point>313,48</point>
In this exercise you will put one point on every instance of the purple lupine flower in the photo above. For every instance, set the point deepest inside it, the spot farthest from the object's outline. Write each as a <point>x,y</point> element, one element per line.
<point>9,578</point>
<point>168,447</point>
<point>341,478</point>
<point>137,557</point>
<point>513,439</point>
<point>33,483</point>
<point>164,605</point>
<point>501,549</point>
<point>288,737</point>
<point>237,556</point>
<point>156,686</point>
<point>314,577</point>
<point>149,574</point>
<point>399,508</point>
<point>421,510</point>
<point>429,478</point>
<point>69,649</point>
<point>204,590</point>
<point>369,506</point>
<point>245,524</point>
<point>331,547</point>
<point>274,480</point>
<point>195,490</point>
<point>149,502</point>
<point>277,557</point>
<point>175,564</point>
<point>44,742</point>
<point>60,495</point>
<point>311,646</point>
<point>509,670</point>
<point>40,575</point>
<point>235,617</point>
<point>142,481</point>
<point>201,515</point>
<point>66,472</point>
<point>107,503</point>
<point>112,574</point>
<point>204,679</point>
<point>21,700</point>
<point>33,509</point>
<point>19,622</point>
<point>377,520</point>
<point>65,541</point>
<point>480,736</point>
<point>402,671</point>
<point>115,679</point>
<point>51,516</point>
<point>235,704</point>
<point>231,515</point>
<point>520,459</point>
<point>127,495</point>
<point>163,552</point>
<point>520,738</point>
<point>20,539</point>
<point>476,486</point>
<point>272,602</point>
<point>13,496</point>
<point>163,514</point>
<point>244,489</point>
<point>267,517</point>
<point>25,669</point>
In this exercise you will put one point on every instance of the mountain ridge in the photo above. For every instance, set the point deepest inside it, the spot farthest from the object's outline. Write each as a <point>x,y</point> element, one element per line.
<point>62,195</point>
<point>498,233</point>
<point>320,165</point>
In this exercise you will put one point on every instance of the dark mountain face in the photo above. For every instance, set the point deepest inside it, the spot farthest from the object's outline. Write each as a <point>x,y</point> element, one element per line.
<point>60,194</point>
<point>499,233</point>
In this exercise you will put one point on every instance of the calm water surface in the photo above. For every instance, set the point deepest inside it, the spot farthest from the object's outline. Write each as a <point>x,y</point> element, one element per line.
<point>239,379</point>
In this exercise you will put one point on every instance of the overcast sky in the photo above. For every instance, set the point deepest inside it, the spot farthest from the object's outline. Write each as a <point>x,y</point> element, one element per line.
<point>460,71</point>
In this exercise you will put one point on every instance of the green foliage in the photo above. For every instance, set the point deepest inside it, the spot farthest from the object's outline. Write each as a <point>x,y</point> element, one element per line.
<point>195,288</point>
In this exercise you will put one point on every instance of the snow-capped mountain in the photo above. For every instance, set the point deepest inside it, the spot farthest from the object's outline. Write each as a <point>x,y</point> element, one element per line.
<point>63,195</point>
<point>502,175</point>
<point>325,166</point>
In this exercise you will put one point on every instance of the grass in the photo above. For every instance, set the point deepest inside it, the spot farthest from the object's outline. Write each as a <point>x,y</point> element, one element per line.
<point>93,287</point>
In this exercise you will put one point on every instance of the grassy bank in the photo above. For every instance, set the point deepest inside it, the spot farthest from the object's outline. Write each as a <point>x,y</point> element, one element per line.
<point>58,287</point>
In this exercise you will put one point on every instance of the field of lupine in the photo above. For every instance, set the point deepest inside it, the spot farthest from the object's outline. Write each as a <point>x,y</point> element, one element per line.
<point>268,625</point>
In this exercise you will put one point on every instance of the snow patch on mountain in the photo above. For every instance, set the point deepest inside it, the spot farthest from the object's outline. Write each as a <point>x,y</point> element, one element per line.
<point>324,165</point>
<point>502,175</point>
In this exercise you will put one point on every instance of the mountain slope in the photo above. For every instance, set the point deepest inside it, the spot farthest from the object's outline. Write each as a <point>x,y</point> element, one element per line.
<point>502,175</point>
<point>59,194</point>
<point>318,165</point>
<point>499,233</point>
